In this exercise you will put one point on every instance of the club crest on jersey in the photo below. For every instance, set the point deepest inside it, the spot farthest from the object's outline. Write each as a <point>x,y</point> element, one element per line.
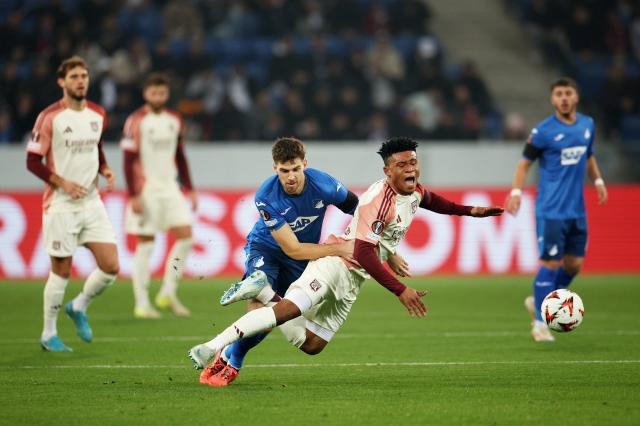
<point>302,222</point>
<point>377,227</point>
<point>587,134</point>
<point>572,155</point>
<point>94,126</point>
<point>414,206</point>
<point>315,285</point>
<point>259,262</point>
<point>559,137</point>
<point>318,204</point>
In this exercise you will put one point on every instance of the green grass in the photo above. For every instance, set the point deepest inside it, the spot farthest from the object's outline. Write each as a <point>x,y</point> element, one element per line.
<point>471,361</point>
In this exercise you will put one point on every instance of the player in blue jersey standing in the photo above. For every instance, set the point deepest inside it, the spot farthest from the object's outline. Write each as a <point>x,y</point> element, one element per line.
<point>292,204</point>
<point>563,143</point>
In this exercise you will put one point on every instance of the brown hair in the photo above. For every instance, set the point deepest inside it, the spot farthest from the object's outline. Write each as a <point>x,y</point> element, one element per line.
<point>156,79</point>
<point>287,149</point>
<point>564,82</point>
<point>69,64</point>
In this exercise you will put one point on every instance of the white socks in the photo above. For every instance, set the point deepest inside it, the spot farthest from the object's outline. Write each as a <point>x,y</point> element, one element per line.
<point>295,331</point>
<point>175,266</point>
<point>266,296</point>
<point>96,283</point>
<point>53,297</point>
<point>251,323</point>
<point>141,274</point>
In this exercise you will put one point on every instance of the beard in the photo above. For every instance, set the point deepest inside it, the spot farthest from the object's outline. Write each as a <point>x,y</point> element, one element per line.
<point>76,96</point>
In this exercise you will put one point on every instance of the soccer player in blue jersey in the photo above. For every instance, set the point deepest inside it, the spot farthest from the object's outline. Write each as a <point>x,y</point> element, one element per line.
<point>292,204</point>
<point>563,143</point>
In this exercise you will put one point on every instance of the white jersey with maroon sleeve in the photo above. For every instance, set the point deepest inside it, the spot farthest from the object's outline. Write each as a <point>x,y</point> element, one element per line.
<point>155,136</point>
<point>68,140</point>
<point>382,218</point>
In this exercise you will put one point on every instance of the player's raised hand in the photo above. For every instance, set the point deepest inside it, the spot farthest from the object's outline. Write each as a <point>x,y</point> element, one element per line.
<point>398,265</point>
<point>110,177</point>
<point>73,189</point>
<point>486,211</point>
<point>412,300</point>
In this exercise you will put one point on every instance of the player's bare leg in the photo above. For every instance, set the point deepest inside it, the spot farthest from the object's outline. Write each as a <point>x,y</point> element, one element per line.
<point>167,297</point>
<point>106,255</point>
<point>52,302</point>
<point>141,278</point>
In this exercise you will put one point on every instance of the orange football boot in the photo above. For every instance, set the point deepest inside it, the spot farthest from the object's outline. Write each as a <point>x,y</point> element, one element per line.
<point>214,368</point>
<point>223,378</point>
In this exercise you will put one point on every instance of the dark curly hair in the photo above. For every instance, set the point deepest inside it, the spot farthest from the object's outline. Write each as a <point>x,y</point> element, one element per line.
<point>398,144</point>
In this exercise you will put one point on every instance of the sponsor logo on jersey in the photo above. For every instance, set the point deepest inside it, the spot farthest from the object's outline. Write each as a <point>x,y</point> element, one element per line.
<point>572,155</point>
<point>315,285</point>
<point>259,262</point>
<point>559,137</point>
<point>377,227</point>
<point>553,250</point>
<point>302,222</point>
<point>318,204</point>
<point>587,133</point>
<point>283,212</point>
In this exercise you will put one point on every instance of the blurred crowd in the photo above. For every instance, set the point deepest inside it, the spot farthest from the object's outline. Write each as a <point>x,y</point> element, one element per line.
<point>598,42</point>
<point>248,69</point>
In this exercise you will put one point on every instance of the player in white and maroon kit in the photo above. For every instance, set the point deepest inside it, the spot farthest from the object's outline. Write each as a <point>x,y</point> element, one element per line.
<point>68,135</point>
<point>153,160</point>
<point>317,304</point>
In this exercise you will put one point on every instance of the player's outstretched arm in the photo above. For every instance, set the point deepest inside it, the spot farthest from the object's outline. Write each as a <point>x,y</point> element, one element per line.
<point>439,204</point>
<point>365,255</point>
<point>519,177</point>
<point>286,238</point>
<point>594,174</point>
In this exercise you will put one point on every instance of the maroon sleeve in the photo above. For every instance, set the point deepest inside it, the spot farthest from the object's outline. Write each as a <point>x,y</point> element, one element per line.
<point>436,203</point>
<point>130,159</point>
<point>183,167</point>
<point>365,254</point>
<point>102,160</point>
<point>35,166</point>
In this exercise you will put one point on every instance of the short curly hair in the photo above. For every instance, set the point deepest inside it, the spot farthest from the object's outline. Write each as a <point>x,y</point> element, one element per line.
<point>393,145</point>
<point>287,149</point>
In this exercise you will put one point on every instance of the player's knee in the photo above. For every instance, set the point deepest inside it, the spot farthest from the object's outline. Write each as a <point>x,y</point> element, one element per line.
<point>550,264</point>
<point>573,269</point>
<point>312,347</point>
<point>111,267</point>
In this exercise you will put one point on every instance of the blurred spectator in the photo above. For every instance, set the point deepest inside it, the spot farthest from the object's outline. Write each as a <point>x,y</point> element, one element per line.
<point>515,127</point>
<point>182,20</point>
<point>6,129</point>
<point>385,59</point>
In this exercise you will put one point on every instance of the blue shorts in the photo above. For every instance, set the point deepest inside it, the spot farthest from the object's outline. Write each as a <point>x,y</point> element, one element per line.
<point>281,270</point>
<point>557,237</point>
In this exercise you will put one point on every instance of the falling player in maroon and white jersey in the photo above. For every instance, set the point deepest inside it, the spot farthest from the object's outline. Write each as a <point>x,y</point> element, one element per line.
<point>68,135</point>
<point>317,304</point>
<point>154,159</point>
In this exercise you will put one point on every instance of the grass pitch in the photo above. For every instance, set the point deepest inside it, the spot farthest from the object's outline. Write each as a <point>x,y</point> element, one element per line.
<point>471,361</point>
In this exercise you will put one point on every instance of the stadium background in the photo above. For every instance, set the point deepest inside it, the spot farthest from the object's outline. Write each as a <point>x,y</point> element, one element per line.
<point>342,76</point>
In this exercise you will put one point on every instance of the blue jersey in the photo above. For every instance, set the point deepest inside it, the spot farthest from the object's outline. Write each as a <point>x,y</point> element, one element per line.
<point>563,150</point>
<point>304,212</point>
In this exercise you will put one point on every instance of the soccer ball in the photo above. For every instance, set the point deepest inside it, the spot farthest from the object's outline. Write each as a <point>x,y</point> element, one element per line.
<point>562,310</point>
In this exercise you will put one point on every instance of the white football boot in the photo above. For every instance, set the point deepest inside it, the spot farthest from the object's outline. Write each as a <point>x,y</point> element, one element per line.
<point>200,355</point>
<point>248,288</point>
<point>540,332</point>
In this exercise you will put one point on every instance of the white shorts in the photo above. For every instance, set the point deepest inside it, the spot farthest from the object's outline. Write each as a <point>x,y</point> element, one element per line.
<point>63,232</point>
<point>160,213</point>
<point>333,289</point>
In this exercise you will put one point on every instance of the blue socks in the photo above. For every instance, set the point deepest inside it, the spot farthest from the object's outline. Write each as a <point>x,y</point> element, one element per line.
<point>563,278</point>
<point>543,284</point>
<point>236,352</point>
